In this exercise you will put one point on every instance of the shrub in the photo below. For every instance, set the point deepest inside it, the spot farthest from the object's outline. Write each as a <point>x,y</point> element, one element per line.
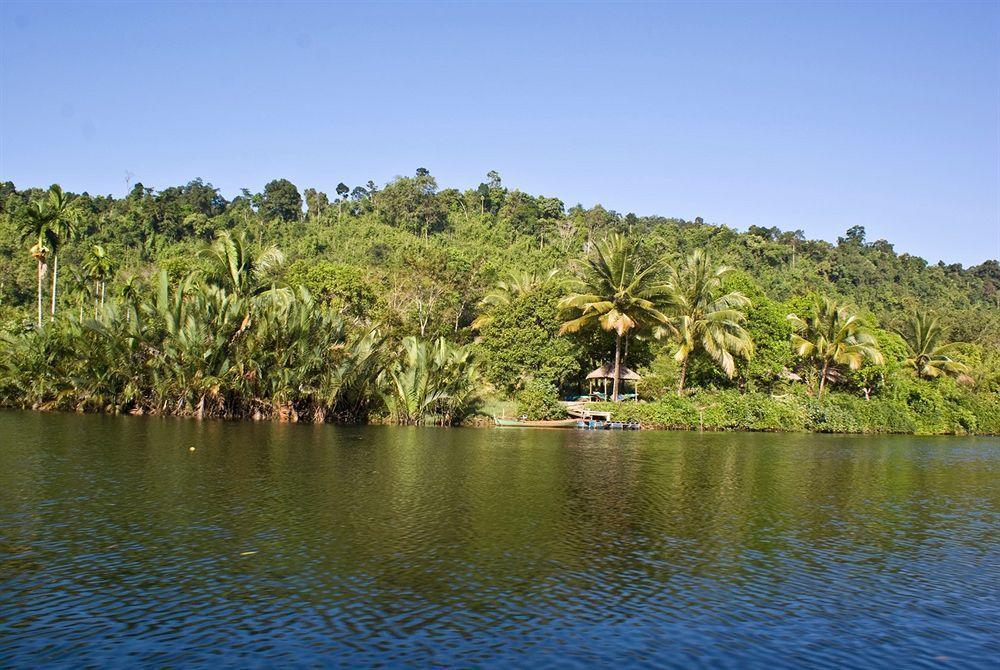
<point>540,400</point>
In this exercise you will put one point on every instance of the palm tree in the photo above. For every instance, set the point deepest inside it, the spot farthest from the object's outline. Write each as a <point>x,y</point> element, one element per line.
<point>97,265</point>
<point>617,291</point>
<point>62,224</point>
<point>241,270</point>
<point>929,353</point>
<point>35,228</point>
<point>431,378</point>
<point>703,317</point>
<point>833,336</point>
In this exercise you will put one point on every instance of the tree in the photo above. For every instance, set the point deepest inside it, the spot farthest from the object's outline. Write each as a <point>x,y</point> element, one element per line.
<point>929,353</point>
<point>616,290</point>
<point>35,228</point>
<point>240,269</point>
<point>833,335</point>
<point>431,379</point>
<point>348,289</point>
<point>519,341</point>
<point>412,203</point>
<point>97,265</point>
<point>343,190</point>
<point>704,317</point>
<point>517,285</point>
<point>316,203</point>
<point>62,227</point>
<point>281,200</point>
<point>855,236</point>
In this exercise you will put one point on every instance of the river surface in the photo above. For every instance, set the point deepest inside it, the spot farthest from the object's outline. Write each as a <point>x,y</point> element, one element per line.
<point>299,545</point>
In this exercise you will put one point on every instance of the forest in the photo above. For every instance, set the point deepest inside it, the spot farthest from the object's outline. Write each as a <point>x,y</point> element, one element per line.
<point>413,304</point>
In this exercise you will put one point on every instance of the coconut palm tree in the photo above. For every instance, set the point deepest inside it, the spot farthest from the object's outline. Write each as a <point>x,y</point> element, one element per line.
<point>704,317</point>
<point>616,290</point>
<point>833,335</point>
<point>929,353</point>
<point>63,226</point>
<point>35,228</point>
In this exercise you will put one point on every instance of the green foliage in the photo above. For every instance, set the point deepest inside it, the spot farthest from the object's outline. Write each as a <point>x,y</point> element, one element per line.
<point>234,334</point>
<point>521,342</point>
<point>432,382</point>
<point>769,330</point>
<point>540,400</point>
<point>660,377</point>
<point>831,337</point>
<point>922,408</point>
<point>703,317</point>
<point>929,355</point>
<point>615,289</point>
<point>347,288</point>
<point>281,201</point>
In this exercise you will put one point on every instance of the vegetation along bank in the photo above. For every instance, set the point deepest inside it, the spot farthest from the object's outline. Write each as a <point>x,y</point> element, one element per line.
<point>411,304</point>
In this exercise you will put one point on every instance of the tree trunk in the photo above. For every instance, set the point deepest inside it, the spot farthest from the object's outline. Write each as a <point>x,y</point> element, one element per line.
<point>684,370</point>
<point>41,273</point>
<point>822,379</point>
<point>618,367</point>
<point>55,277</point>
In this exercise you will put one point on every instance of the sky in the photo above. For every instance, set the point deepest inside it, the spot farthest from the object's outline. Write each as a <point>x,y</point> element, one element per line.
<point>813,116</point>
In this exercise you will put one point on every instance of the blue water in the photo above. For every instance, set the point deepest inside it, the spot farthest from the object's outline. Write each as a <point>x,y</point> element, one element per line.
<point>290,546</point>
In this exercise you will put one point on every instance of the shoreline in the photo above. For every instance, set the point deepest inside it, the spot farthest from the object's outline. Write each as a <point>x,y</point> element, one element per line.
<point>486,422</point>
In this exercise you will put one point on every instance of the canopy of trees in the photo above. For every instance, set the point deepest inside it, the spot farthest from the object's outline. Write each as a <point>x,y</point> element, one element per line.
<point>188,299</point>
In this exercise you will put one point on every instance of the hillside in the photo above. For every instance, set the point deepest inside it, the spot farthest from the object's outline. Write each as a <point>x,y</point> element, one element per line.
<point>410,259</point>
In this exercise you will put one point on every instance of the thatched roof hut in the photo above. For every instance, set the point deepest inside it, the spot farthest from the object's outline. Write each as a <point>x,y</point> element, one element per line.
<point>607,371</point>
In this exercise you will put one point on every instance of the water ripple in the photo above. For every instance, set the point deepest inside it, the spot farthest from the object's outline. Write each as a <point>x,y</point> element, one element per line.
<point>311,545</point>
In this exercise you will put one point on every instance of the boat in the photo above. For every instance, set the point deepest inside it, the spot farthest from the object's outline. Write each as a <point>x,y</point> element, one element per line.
<point>590,424</point>
<point>517,423</point>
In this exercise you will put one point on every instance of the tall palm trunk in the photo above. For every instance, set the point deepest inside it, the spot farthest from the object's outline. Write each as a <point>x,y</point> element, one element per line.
<point>822,378</point>
<point>684,371</point>
<point>41,274</point>
<point>55,276</point>
<point>618,367</point>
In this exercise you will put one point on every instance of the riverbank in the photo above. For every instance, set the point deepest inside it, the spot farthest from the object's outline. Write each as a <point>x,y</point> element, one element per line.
<point>923,413</point>
<point>927,412</point>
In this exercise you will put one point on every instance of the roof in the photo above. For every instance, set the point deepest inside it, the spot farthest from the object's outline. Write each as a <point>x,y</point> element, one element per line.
<point>607,371</point>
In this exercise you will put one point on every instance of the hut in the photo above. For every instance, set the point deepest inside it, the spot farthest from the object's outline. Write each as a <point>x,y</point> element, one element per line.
<point>606,374</point>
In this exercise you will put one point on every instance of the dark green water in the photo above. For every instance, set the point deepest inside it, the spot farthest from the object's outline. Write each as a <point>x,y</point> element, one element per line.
<point>483,547</point>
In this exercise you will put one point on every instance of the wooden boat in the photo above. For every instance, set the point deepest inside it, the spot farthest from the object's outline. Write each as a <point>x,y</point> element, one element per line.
<point>516,423</point>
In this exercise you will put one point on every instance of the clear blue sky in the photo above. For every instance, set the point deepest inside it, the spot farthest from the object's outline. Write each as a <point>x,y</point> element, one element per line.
<point>811,116</point>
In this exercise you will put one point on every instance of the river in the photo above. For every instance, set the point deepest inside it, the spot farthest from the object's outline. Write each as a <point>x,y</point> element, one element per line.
<point>167,542</point>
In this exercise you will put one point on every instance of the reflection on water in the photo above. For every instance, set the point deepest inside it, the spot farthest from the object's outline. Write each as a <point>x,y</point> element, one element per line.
<point>278,544</point>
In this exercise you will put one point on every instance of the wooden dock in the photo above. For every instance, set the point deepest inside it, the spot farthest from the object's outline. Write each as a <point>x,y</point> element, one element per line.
<point>580,411</point>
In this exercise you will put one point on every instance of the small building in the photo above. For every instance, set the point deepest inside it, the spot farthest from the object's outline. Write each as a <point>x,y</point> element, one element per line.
<point>606,376</point>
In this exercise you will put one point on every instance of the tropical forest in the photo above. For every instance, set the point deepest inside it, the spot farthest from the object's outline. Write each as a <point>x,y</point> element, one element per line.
<point>409,303</point>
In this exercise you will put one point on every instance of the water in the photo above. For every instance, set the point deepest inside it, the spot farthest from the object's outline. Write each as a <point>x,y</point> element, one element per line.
<point>304,545</point>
